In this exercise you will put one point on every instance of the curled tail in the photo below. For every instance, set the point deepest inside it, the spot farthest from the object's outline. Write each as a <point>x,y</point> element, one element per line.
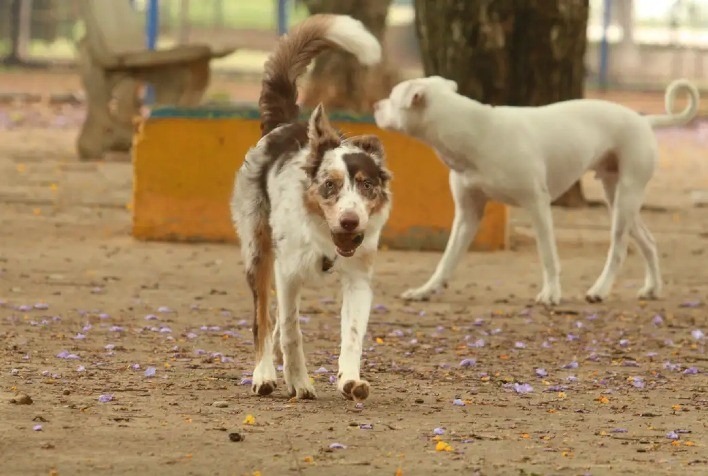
<point>295,51</point>
<point>683,117</point>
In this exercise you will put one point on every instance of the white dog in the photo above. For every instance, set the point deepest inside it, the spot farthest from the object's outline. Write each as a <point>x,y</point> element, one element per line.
<point>529,156</point>
<point>303,197</point>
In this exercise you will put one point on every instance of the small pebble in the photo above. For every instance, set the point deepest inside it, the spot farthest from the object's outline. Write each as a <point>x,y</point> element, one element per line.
<point>220,404</point>
<point>236,437</point>
<point>22,399</point>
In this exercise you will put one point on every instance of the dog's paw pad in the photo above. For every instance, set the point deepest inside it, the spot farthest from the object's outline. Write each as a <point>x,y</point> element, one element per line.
<point>593,298</point>
<point>357,390</point>
<point>264,388</point>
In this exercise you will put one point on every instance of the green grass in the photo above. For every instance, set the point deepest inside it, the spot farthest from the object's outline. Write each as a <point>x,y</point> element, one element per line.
<point>257,14</point>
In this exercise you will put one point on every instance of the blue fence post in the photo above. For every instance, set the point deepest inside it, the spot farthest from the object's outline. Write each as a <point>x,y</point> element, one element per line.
<point>604,45</point>
<point>282,16</point>
<point>152,23</point>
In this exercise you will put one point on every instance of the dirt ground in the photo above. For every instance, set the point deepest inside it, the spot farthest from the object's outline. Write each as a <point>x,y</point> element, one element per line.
<point>136,356</point>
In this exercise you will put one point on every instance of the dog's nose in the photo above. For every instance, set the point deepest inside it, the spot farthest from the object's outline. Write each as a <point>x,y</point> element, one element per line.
<point>349,222</point>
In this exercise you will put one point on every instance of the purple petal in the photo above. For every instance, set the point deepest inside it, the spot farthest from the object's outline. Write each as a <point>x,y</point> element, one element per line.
<point>571,365</point>
<point>322,370</point>
<point>672,435</point>
<point>671,367</point>
<point>200,351</point>
<point>468,363</point>
<point>439,431</point>
<point>396,333</point>
<point>545,344</point>
<point>165,330</point>
<point>519,345</point>
<point>135,366</point>
<point>366,426</point>
<point>105,398</point>
<point>151,317</point>
<point>657,320</point>
<point>522,388</point>
<point>638,382</point>
<point>571,378</point>
<point>110,346</point>
<point>691,371</point>
<point>691,303</point>
<point>332,379</point>
<point>246,381</point>
<point>541,372</point>
<point>337,446</point>
<point>380,308</point>
<point>103,315</point>
<point>624,342</point>
<point>24,308</point>
<point>618,430</point>
<point>478,343</point>
<point>458,402</point>
<point>697,334</point>
<point>41,306</point>
<point>81,368</point>
<point>164,310</point>
<point>116,329</point>
<point>191,335</point>
<point>37,428</point>
<point>226,360</point>
<point>572,337</point>
<point>79,336</point>
<point>150,372</point>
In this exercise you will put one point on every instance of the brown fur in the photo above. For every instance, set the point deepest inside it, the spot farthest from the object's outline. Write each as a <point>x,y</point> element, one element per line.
<point>293,53</point>
<point>259,274</point>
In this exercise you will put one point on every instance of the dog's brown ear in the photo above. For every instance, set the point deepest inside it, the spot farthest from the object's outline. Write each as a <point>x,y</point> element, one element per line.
<point>322,137</point>
<point>369,144</point>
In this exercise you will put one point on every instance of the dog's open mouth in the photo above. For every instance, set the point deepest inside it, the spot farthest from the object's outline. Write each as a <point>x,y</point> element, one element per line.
<point>347,243</point>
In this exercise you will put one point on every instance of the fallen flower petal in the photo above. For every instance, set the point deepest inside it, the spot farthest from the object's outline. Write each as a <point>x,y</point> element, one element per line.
<point>105,398</point>
<point>366,426</point>
<point>522,388</point>
<point>697,334</point>
<point>439,431</point>
<point>337,446</point>
<point>541,372</point>
<point>672,435</point>
<point>150,372</point>
<point>691,371</point>
<point>37,428</point>
<point>458,402</point>
<point>468,363</point>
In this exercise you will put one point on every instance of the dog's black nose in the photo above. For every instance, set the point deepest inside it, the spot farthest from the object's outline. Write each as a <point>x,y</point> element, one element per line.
<point>349,222</point>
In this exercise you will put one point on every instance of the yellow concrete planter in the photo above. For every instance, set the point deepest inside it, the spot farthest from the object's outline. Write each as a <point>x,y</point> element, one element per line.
<point>185,161</point>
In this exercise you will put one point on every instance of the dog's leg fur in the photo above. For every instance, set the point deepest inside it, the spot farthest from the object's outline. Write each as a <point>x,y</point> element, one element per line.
<point>356,304</point>
<point>257,251</point>
<point>288,287</point>
<point>469,208</point>
<point>539,208</point>
<point>645,242</point>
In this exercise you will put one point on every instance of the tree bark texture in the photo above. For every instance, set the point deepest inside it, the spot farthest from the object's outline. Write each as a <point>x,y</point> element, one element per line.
<point>337,80</point>
<point>508,52</point>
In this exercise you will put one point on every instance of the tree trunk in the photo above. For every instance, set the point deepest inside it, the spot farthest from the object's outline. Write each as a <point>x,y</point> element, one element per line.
<point>337,80</point>
<point>508,52</point>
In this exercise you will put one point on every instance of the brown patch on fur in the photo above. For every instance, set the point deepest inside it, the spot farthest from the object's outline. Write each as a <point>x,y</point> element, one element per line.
<point>322,195</point>
<point>369,144</point>
<point>259,274</point>
<point>289,61</point>
<point>322,138</point>
<point>371,179</point>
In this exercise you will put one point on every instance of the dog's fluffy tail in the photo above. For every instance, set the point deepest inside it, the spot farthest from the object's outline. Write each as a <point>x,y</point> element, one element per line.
<point>295,51</point>
<point>683,117</point>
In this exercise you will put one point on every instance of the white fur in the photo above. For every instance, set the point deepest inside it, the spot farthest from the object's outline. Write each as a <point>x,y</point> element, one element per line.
<point>302,239</point>
<point>529,156</point>
<point>351,35</point>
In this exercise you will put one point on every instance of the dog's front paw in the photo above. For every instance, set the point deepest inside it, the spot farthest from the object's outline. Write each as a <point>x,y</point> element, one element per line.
<point>357,390</point>
<point>596,295</point>
<point>422,293</point>
<point>549,296</point>
<point>264,379</point>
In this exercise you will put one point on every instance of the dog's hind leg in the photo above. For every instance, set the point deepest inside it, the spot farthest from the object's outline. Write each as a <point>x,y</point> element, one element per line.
<point>287,288</point>
<point>469,208</point>
<point>258,259</point>
<point>625,212</point>
<point>645,242</point>
<point>542,219</point>
<point>356,306</point>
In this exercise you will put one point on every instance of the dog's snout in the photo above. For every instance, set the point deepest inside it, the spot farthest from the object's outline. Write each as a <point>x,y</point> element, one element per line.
<point>349,221</point>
